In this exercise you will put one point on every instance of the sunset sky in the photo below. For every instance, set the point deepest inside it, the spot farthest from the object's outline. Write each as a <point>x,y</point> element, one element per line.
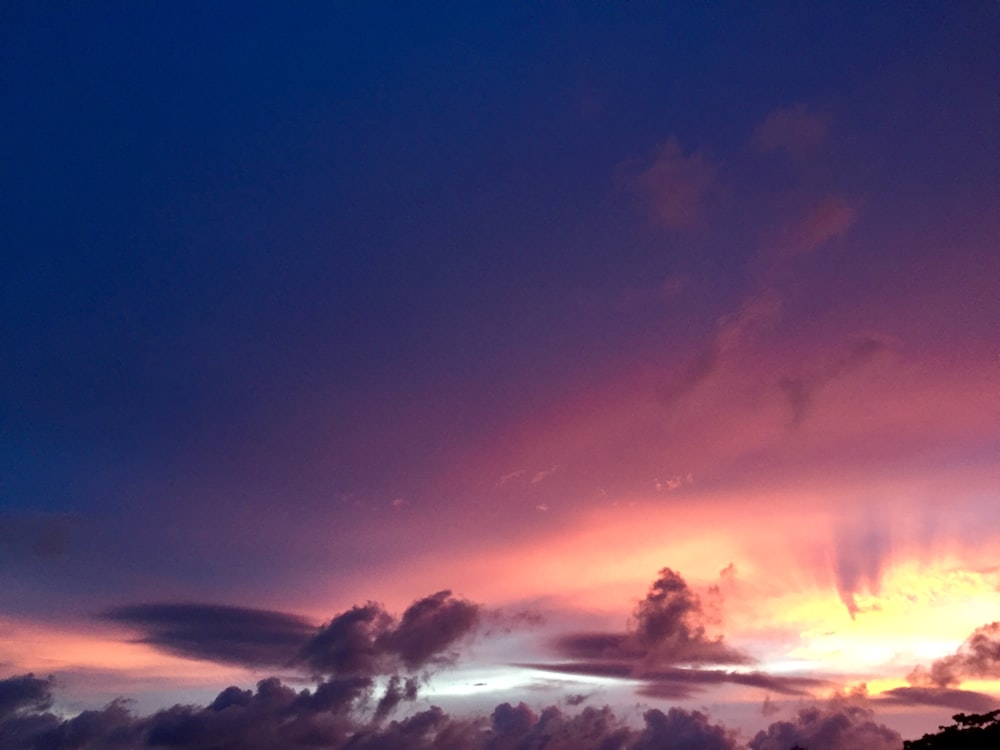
<point>642,356</point>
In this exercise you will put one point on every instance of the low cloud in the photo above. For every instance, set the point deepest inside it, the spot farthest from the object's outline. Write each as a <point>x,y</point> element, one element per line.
<point>802,390</point>
<point>844,727</point>
<point>964,700</point>
<point>231,635</point>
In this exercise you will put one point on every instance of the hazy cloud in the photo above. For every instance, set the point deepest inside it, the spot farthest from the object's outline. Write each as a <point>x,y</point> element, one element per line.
<point>794,130</point>
<point>675,185</point>
<point>233,635</point>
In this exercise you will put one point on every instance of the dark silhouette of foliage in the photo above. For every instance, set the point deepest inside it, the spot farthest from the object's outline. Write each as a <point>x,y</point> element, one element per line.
<point>969,732</point>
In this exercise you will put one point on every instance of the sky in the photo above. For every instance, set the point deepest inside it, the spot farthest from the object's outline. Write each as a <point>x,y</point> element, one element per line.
<point>480,375</point>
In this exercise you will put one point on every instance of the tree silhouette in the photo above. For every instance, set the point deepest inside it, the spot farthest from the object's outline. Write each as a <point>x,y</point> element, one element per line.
<point>969,732</point>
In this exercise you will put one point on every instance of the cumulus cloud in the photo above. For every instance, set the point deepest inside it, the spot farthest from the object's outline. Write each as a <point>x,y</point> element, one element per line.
<point>675,185</point>
<point>978,656</point>
<point>338,714</point>
<point>844,727</point>
<point>793,130</point>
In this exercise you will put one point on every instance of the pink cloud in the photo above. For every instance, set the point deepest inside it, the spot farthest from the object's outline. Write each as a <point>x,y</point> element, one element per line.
<point>825,220</point>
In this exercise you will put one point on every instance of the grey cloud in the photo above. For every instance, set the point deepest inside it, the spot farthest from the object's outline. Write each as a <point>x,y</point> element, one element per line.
<point>24,693</point>
<point>337,715</point>
<point>232,635</point>
<point>363,641</point>
<point>368,641</point>
<point>965,700</point>
<point>846,727</point>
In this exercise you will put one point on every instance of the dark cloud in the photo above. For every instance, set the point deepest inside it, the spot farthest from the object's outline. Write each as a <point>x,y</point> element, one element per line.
<point>338,714</point>
<point>368,641</point>
<point>25,693</point>
<point>978,656</point>
<point>675,185</point>
<point>233,635</point>
<point>682,730</point>
<point>843,727</point>
<point>363,641</point>
<point>667,631</point>
<point>965,700</point>
<point>668,628</point>
<point>397,691</point>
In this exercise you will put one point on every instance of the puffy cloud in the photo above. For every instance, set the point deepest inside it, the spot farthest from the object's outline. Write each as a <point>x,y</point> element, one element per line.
<point>844,727</point>
<point>368,641</point>
<point>668,630</point>
<point>682,730</point>
<point>337,714</point>
<point>978,656</point>
<point>363,641</point>
<point>24,693</point>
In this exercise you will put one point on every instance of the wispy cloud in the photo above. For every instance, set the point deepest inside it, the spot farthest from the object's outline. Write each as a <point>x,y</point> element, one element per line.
<point>675,185</point>
<point>794,130</point>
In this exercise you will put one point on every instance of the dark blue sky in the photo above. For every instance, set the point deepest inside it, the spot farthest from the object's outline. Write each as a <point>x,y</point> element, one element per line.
<point>295,295</point>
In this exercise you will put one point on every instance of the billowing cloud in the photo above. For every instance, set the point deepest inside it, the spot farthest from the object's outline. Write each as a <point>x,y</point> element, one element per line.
<point>845,727</point>
<point>232,635</point>
<point>978,656</point>
<point>668,628</point>
<point>794,130</point>
<point>675,185</point>
<point>368,641</point>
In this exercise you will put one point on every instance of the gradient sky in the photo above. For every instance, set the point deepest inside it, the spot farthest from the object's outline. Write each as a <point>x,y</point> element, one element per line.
<point>665,336</point>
